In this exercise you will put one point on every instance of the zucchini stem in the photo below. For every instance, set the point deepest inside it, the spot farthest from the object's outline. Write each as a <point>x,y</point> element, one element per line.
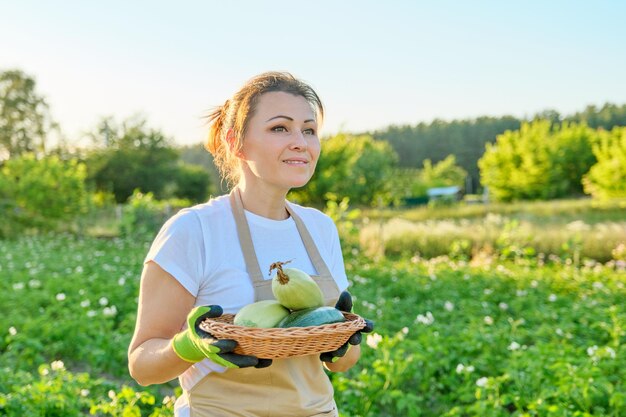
<point>283,278</point>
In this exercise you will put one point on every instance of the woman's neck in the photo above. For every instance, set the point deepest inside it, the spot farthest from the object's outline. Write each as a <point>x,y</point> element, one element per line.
<point>263,202</point>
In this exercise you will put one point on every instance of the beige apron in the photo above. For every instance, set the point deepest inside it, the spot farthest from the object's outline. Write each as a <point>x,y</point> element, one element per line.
<point>294,387</point>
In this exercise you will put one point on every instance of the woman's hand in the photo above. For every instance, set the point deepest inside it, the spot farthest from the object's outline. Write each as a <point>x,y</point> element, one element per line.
<point>345,357</point>
<point>195,344</point>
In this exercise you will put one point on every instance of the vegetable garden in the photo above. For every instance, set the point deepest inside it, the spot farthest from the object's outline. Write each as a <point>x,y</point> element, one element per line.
<point>490,335</point>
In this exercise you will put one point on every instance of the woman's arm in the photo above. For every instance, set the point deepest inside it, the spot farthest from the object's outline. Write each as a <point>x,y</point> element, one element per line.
<point>163,307</point>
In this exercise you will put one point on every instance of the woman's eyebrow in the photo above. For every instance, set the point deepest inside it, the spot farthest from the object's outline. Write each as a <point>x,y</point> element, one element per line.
<point>280,116</point>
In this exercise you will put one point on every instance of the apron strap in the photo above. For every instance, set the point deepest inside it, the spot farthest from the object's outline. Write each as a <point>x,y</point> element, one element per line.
<point>309,244</point>
<point>245,239</point>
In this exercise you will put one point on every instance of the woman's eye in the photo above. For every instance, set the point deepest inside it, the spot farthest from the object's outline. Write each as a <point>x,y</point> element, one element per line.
<point>309,131</point>
<point>279,129</point>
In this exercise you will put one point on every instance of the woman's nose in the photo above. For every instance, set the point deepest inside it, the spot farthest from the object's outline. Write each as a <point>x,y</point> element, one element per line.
<point>299,142</point>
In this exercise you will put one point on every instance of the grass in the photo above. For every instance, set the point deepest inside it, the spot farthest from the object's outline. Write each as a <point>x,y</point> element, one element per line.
<point>583,228</point>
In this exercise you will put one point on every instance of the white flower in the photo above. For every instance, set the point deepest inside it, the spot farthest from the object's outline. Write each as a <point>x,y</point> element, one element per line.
<point>103,301</point>
<point>112,394</point>
<point>57,365</point>
<point>482,382</point>
<point>405,330</point>
<point>373,340</point>
<point>60,296</point>
<point>91,313</point>
<point>18,286</point>
<point>121,281</point>
<point>460,368</point>
<point>534,283</point>
<point>514,346</point>
<point>610,352</point>
<point>449,306</point>
<point>427,319</point>
<point>84,392</point>
<point>488,320</point>
<point>552,298</point>
<point>33,283</point>
<point>109,311</point>
<point>503,306</point>
<point>559,332</point>
<point>85,303</point>
<point>12,331</point>
<point>591,351</point>
<point>488,291</point>
<point>521,293</point>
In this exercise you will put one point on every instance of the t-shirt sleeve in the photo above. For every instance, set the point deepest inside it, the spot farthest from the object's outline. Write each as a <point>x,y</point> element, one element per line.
<point>179,249</point>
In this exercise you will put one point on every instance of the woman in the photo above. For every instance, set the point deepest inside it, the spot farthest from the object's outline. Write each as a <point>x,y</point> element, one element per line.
<point>208,259</point>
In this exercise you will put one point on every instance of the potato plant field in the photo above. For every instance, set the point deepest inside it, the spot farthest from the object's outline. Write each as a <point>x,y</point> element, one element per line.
<point>487,337</point>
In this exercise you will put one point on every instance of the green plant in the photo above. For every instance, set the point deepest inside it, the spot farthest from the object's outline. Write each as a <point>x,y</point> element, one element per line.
<point>40,193</point>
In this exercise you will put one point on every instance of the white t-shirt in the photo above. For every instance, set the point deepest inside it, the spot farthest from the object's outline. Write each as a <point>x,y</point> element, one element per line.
<point>200,248</point>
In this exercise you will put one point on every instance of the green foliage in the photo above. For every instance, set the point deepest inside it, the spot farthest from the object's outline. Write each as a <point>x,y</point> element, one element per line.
<point>444,173</point>
<point>137,157</point>
<point>144,216</point>
<point>503,237</point>
<point>357,167</point>
<point>497,338</point>
<point>25,118</point>
<point>465,139</point>
<point>607,178</point>
<point>410,186</point>
<point>129,403</point>
<point>540,161</point>
<point>606,117</point>
<point>39,193</point>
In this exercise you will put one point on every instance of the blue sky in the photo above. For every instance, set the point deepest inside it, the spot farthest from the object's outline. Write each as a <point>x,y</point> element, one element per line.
<point>374,63</point>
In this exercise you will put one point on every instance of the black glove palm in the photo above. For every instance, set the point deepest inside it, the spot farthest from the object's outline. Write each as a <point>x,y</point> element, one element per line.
<point>344,303</point>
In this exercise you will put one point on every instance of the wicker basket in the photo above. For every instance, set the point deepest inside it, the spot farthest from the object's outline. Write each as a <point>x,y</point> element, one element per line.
<point>275,343</point>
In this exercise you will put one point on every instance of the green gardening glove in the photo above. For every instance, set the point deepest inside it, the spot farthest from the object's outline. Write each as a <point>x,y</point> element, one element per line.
<point>194,344</point>
<point>344,303</point>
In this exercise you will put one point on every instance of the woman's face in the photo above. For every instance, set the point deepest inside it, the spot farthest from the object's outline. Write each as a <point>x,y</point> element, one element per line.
<point>281,147</point>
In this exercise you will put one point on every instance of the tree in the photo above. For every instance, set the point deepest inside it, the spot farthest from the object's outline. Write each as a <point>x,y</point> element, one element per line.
<point>607,178</point>
<point>444,173</point>
<point>539,161</point>
<point>357,167</point>
<point>25,119</point>
<point>133,156</point>
<point>41,192</point>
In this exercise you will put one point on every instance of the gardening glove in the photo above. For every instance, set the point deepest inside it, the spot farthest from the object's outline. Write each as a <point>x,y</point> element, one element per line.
<point>344,303</point>
<point>194,344</point>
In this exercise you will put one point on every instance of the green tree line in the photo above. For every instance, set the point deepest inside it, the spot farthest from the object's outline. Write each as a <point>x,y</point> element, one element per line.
<point>466,139</point>
<point>548,157</point>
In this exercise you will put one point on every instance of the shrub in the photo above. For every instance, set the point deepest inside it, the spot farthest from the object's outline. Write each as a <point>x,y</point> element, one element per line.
<point>143,215</point>
<point>40,193</point>
<point>607,178</point>
<point>540,161</point>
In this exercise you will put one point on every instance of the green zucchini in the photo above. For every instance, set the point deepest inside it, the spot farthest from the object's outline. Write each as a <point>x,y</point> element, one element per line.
<point>315,316</point>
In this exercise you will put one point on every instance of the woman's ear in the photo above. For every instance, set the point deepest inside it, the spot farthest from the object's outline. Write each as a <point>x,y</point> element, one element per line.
<point>231,140</point>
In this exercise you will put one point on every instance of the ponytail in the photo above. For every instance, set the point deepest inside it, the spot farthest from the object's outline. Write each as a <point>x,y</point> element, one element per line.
<point>215,120</point>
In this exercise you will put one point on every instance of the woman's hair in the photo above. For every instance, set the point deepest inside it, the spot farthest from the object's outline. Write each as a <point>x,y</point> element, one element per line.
<point>236,112</point>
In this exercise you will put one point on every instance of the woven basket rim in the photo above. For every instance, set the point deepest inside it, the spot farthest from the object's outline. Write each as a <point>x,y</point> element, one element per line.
<point>275,343</point>
<point>223,326</point>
